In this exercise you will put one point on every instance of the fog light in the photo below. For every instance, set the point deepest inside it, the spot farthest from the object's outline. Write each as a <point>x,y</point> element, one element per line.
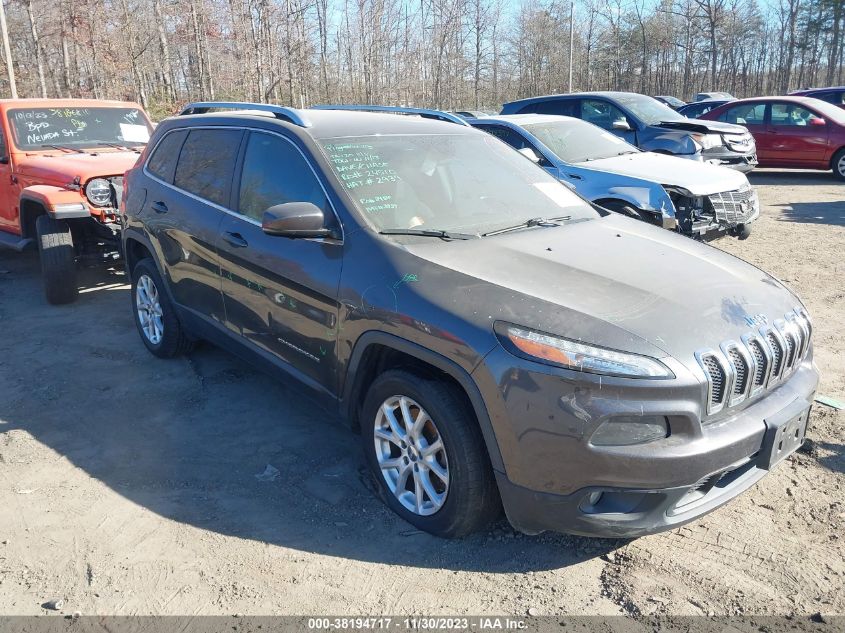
<point>627,430</point>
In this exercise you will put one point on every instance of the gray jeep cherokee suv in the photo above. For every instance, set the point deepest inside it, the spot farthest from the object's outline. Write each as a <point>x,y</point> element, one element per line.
<point>495,339</point>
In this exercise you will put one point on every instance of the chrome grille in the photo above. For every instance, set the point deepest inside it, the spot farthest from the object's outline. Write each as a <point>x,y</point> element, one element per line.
<point>733,207</point>
<point>737,371</point>
<point>777,354</point>
<point>789,358</point>
<point>741,369</point>
<point>717,378</point>
<point>761,362</point>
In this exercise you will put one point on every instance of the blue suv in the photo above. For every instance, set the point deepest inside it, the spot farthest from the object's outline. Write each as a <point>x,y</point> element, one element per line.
<point>650,125</point>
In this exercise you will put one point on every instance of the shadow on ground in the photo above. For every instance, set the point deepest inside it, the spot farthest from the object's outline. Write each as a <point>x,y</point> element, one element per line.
<point>792,178</point>
<point>814,212</point>
<point>835,461</point>
<point>186,438</point>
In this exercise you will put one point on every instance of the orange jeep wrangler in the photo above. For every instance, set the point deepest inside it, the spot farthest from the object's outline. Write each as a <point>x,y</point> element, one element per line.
<point>61,179</point>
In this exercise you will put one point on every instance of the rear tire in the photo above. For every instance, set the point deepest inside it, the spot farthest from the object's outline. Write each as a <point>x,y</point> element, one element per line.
<point>447,442</point>
<point>155,317</point>
<point>58,260</point>
<point>838,164</point>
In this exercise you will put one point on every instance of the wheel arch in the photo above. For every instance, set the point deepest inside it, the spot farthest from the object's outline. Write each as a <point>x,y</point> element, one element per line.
<point>837,153</point>
<point>30,209</point>
<point>376,352</point>
<point>134,250</point>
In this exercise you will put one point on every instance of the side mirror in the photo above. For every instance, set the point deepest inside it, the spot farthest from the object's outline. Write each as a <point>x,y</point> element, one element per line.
<point>530,154</point>
<point>818,122</point>
<point>295,220</point>
<point>621,124</point>
<point>4,160</point>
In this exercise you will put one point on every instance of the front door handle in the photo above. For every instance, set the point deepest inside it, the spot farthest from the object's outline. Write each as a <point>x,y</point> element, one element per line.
<point>159,207</point>
<point>235,239</point>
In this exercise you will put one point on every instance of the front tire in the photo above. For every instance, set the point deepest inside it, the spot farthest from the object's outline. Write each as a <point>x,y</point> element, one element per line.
<point>838,164</point>
<point>426,452</point>
<point>155,317</point>
<point>58,260</point>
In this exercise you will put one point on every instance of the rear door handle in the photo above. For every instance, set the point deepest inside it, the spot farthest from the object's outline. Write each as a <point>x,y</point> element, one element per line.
<point>159,207</point>
<point>235,239</point>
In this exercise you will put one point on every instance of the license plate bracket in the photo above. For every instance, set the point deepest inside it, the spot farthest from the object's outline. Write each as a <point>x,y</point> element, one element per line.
<point>784,435</point>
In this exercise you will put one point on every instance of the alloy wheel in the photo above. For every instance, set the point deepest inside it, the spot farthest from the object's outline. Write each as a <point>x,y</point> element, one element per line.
<point>149,309</point>
<point>411,455</point>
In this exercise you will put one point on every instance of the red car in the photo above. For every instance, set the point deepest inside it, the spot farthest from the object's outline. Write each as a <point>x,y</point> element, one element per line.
<point>799,132</point>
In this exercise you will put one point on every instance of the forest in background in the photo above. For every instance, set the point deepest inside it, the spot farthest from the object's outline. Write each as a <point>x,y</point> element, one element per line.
<point>447,54</point>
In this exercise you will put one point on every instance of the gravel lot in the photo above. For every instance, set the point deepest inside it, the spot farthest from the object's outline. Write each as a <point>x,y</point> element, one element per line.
<point>127,484</point>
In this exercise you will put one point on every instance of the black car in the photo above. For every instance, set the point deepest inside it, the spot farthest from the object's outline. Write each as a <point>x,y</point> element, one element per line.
<point>697,108</point>
<point>833,94</point>
<point>650,125</point>
<point>669,100</point>
<point>497,340</point>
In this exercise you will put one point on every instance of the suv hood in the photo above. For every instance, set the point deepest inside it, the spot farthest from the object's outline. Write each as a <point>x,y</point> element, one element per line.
<point>700,179</point>
<point>612,281</point>
<point>702,126</point>
<point>65,168</point>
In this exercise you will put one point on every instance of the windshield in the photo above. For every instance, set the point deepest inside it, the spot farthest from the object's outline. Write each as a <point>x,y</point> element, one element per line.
<point>576,141</point>
<point>460,183</point>
<point>40,128</point>
<point>650,111</point>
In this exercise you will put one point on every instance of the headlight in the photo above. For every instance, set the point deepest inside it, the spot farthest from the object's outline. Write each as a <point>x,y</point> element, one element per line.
<point>627,430</point>
<point>708,141</point>
<point>562,352</point>
<point>98,191</point>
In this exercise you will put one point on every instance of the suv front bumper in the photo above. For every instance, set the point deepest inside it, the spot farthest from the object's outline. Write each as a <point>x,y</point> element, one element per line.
<point>743,162</point>
<point>561,482</point>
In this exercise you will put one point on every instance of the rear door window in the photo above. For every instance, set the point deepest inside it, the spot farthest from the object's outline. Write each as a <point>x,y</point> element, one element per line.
<point>745,114</point>
<point>207,163</point>
<point>162,163</point>
<point>275,172</point>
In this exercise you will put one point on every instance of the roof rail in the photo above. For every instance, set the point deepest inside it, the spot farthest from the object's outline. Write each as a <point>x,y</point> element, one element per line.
<point>290,115</point>
<point>423,112</point>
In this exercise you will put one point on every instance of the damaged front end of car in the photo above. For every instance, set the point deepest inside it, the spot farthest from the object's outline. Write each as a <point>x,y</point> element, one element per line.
<point>707,217</point>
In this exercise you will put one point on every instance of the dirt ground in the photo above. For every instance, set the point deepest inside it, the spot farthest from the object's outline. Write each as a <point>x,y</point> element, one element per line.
<point>128,484</point>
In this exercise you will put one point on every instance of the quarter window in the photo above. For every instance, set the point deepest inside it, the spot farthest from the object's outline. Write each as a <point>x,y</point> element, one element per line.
<point>791,115</point>
<point>745,114</point>
<point>162,163</point>
<point>207,162</point>
<point>275,172</point>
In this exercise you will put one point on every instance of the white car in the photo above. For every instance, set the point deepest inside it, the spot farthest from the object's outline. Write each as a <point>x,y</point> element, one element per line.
<point>700,200</point>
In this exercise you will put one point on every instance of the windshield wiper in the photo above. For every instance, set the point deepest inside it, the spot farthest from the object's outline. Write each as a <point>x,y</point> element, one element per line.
<point>443,235</point>
<point>64,148</point>
<point>116,146</point>
<point>529,223</point>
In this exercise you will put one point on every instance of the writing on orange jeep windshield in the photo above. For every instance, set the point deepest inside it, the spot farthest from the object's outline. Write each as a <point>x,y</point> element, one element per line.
<point>40,128</point>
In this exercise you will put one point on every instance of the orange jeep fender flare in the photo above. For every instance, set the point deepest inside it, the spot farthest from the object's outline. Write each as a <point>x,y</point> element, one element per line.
<point>59,203</point>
